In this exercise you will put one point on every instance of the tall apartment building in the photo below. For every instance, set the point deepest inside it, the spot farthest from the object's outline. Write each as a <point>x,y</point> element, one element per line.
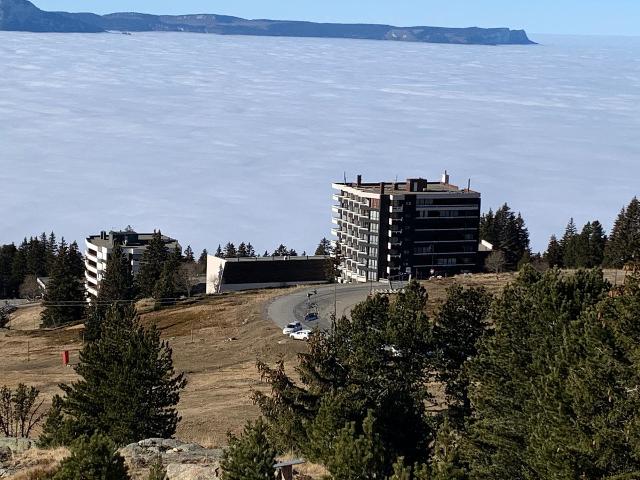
<point>99,247</point>
<point>389,230</point>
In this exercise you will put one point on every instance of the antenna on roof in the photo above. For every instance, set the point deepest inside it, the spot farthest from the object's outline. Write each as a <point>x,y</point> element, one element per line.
<point>469,186</point>
<point>345,176</point>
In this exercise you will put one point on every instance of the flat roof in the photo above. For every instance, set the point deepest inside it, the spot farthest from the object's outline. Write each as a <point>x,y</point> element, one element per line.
<point>402,188</point>
<point>274,259</point>
<point>134,239</point>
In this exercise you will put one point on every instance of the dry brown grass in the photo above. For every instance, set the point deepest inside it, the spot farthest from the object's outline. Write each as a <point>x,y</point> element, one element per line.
<point>36,464</point>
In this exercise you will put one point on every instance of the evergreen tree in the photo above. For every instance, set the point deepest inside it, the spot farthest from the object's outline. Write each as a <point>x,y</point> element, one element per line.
<point>117,284</point>
<point>624,242</point>
<point>188,255</point>
<point>250,457</point>
<point>597,245</point>
<point>96,458</point>
<point>168,285</point>
<point>151,265</point>
<point>202,261</point>
<point>357,454</point>
<point>324,247</point>
<point>76,260</point>
<point>507,232</point>
<point>460,323</point>
<point>548,387</point>
<point>251,252</point>
<point>128,388</point>
<point>64,298</point>
<point>242,250</point>
<point>569,244</point>
<point>219,253</point>
<point>378,361</point>
<point>230,250</point>
<point>554,255</point>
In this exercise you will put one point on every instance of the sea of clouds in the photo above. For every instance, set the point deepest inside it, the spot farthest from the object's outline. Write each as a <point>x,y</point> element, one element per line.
<point>214,138</point>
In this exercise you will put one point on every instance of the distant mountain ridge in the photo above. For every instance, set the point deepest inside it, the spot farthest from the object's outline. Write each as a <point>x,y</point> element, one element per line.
<point>22,15</point>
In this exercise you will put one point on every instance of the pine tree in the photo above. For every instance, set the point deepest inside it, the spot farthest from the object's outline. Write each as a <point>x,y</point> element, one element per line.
<point>624,242</point>
<point>219,253</point>
<point>242,250</point>
<point>251,252</point>
<point>76,260</point>
<point>554,255</point>
<point>151,265</point>
<point>546,404</point>
<point>202,261</point>
<point>357,454</point>
<point>188,255</point>
<point>128,388</point>
<point>569,244</point>
<point>324,247</point>
<point>96,458</point>
<point>597,245</point>
<point>507,233</point>
<point>460,323</point>
<point>251,456</point>
<point>230,250</point>
<point>117,284</point>
<point>64,298</point>
<point>168,285</point>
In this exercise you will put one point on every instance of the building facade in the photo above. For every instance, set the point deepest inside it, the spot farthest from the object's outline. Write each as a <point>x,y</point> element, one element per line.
<point>390,230</point>
<point>250,273</point>
<point>99,247</point>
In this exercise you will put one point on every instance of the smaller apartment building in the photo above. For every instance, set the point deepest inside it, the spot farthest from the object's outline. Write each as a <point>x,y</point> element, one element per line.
<point>99,247</point>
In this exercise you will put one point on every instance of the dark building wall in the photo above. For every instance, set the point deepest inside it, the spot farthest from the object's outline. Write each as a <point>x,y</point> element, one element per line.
<point>276,271</point>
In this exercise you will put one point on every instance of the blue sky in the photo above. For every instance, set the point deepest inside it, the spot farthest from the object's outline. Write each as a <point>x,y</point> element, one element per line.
<point>588,17</point>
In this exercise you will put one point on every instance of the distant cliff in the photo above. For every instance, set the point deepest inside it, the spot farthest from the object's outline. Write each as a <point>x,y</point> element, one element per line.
<point>22,15</point>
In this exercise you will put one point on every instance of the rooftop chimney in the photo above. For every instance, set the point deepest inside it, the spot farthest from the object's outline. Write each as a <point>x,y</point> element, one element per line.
<point>445,178</point>
<point>359,180</point>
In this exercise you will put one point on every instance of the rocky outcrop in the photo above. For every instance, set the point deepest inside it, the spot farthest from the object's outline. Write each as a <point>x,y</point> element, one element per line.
<point>183,461</point>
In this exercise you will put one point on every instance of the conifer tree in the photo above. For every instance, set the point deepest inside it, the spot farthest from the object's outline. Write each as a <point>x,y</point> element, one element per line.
<point>554,255</point>
<point>202,261</point>
<point>128,388</point>
<point>569,244</point>
<point>230,250</point>
<point>76,260</point>
<point>96,458</point>
<point>324,247</point>
<point>168,285</point>
<point>64,298</point>
<point>219,253</point>
<point>507,232</point>
<point>624,242</point>
<point>460,323</point>
<point>151,265</point>
<point>251,252</point>
<point>188,255</point>
<point>549,386</point>
<point>242,250</point>
<point>251,456</point>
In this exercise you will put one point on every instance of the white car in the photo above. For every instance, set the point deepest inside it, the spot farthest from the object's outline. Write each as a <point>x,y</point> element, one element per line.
<point>292,328</point>
<point>301,334</point>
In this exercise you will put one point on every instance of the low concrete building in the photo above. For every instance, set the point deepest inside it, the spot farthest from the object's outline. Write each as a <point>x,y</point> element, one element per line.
<point>99,247</point>
<point>235,274</point>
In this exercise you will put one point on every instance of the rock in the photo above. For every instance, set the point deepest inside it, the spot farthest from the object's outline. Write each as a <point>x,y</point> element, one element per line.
<point>179,471</point>
<point>5,454</point>
<point>188,461</point>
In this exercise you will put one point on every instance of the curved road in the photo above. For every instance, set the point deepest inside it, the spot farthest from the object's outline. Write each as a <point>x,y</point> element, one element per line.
<point>294,306</point>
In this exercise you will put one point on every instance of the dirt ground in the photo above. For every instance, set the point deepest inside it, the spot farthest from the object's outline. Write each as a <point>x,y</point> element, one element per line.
<point>216,342</point>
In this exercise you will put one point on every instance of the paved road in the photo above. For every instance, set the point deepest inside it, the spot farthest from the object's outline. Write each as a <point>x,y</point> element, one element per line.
<point>293,307</point>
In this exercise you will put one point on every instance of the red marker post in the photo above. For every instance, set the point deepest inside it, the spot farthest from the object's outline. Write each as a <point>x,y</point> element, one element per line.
<point>65,357</point>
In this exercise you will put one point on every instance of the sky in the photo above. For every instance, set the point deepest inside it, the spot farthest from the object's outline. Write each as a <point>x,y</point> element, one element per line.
<point>575,17</point>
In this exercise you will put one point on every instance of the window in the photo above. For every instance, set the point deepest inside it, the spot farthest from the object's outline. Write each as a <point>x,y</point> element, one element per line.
<point>421,202</point>
<point>374,215</point>
<point>373,264</point>
<point>425,249</point>
<point>373,251</point>
<point>373,239</point>
<point>373,227</point>
<point>446,261</point>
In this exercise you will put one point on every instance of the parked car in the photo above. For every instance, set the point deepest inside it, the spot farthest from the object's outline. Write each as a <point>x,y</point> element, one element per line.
<point>291,328</point>
<point>301,334</point>
<point>311,317</point>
